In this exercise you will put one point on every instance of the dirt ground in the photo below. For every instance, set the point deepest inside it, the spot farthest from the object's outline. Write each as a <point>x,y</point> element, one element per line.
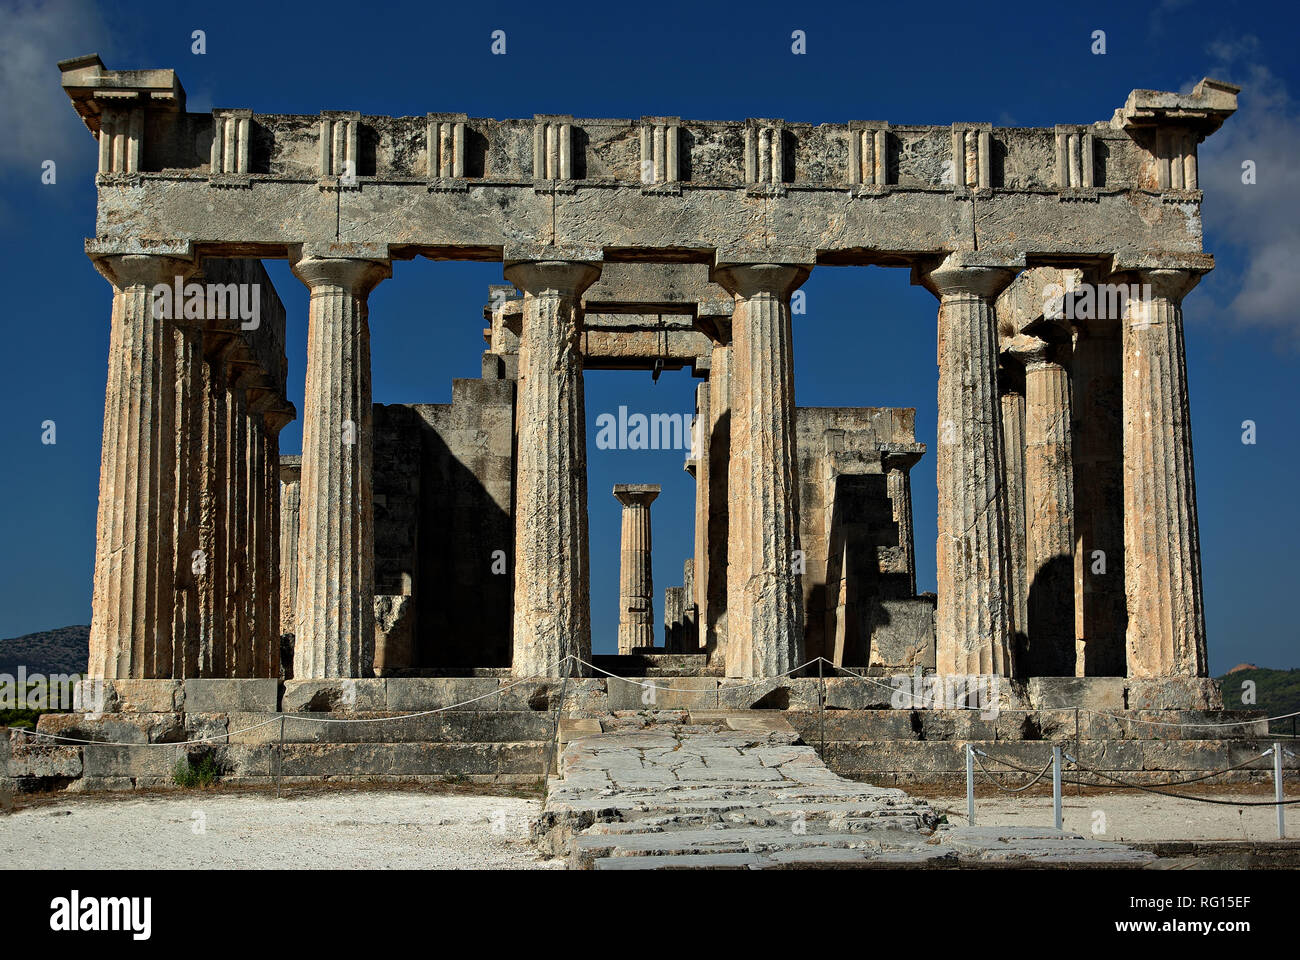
<point>410,828</point>
<point>367,829</point>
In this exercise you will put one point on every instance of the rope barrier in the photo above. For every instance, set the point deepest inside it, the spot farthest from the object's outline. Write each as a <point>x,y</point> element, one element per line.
<point>1144,787</point>
<point>992,779</point>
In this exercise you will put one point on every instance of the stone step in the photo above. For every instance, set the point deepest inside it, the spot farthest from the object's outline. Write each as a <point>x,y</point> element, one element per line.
<point>728,791</point>
<point>469,726</point>
<point>656,664</point>
<point>153,765</point>
<point>1027,725</point>
<point>1149,761</point>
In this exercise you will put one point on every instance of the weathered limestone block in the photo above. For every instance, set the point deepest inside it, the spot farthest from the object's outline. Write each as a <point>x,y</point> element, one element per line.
<point>1162,560</point>
<point>766,639</point>
<point>552,614</point>
<point>972,624</point>
<point>394,630</point>
<point>334,635</point>
<point>902,633</point>
<point>636,589</point>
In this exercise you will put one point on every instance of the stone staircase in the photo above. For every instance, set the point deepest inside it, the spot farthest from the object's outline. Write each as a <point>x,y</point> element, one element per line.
<point>740,790</point>
<point>503,739</point>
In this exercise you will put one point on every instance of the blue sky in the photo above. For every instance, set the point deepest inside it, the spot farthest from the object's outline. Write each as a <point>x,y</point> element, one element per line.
<point>867,338</point>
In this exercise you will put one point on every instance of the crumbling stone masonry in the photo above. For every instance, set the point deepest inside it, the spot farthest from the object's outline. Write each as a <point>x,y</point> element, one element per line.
<point>1068,540</point>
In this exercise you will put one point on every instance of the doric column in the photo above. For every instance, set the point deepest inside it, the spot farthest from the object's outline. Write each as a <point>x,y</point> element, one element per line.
<point>212,582</point>
<point>238,573</point>
<point>552,615</point>
<point>133,605</point>
<point>700,468</point>
<point>290,505</point>
<point>1162,562</point>
<point>898,484</point>
<point>190,562</point>
<point>334,628</point>
<point>1049,509</point>
<point>972,620</point>
<point>636,628</point>
<point>718,453</point>
<point>1097,452</point>
<point>1011,397</point>
<point>764,595</point>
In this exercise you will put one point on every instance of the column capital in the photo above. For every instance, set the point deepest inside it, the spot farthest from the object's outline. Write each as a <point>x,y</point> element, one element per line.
<point>357,275</point>
<point>1033,351</point>
<point>1166,283</point>
<point>125,270</point>
<point>969,274</point>
<point>750,279</point>
<point>568,278</point>
<point>636,494</point>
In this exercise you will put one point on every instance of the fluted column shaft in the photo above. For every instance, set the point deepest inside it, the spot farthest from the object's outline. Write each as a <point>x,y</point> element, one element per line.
<point>334,629</point>
<point>764,595</point>
<point>290,506</point>
<point>552,614</point>
<point>898,482</point>
<point>1049,511</point>
<point>718,453</point>
<point>636,582</point>
<point>1162,562</point>
<point>1012,399</point>
<point>133,604</point>
<point>972,621</point>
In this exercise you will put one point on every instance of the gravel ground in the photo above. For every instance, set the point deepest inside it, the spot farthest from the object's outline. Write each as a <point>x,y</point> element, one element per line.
<point>367,829</point>
<point>1139,817</point>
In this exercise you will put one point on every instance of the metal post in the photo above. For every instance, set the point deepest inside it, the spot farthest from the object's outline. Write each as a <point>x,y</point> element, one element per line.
<point>279,759</point>
<point>970,784</point>
<point>1277,791</point>
<point>821,706</point>
<point>1078,784</point>
<point>1056,784</point>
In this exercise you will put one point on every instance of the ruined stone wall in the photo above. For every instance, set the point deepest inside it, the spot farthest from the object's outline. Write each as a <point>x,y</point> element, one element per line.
<point>444,488</point>
<point>860,574</point>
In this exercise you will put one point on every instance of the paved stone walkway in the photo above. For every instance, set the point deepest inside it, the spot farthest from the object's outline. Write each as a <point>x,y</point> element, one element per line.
<point>727,790</point>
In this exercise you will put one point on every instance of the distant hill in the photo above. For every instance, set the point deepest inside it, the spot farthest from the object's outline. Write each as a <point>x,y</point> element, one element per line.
<point>64,650</point>
<point>1277,692</point>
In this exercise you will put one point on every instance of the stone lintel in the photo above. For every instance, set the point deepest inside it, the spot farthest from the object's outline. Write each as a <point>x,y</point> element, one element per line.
<point>1198,263</point>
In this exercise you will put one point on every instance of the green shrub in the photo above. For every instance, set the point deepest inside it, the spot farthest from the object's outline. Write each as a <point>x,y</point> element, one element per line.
<point>199,771</point>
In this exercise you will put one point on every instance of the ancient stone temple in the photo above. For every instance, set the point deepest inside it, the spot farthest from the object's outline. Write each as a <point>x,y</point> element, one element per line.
<point>1059,258</point>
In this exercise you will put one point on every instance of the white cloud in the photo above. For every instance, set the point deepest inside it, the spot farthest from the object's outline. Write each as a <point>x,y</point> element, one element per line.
<point>36,115</point>
<point>1257,222</point>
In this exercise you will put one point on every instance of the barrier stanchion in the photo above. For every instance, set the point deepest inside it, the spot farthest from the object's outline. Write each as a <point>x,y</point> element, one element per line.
<point>970,784</point>
<point>1056,785</point>
<point>821,705</point>
<point>279,759</point>
<point>1277,791</point>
